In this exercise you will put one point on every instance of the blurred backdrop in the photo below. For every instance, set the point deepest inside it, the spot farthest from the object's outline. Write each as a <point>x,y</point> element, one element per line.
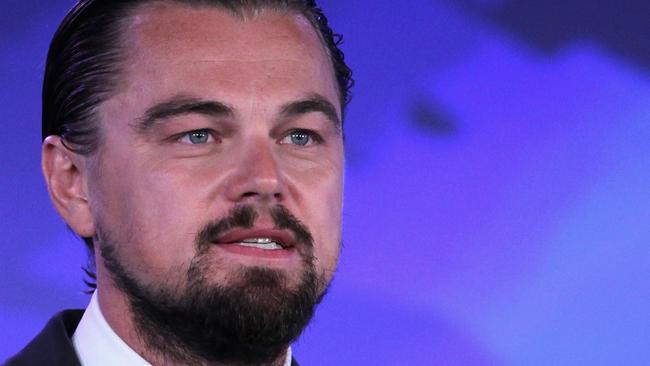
<point>497,193</point>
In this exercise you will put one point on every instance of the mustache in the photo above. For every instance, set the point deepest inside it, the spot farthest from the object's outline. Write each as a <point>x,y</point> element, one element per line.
<point>244,216</point>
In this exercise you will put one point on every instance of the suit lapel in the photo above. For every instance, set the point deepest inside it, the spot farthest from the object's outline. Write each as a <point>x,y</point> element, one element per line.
<point>53,345</point>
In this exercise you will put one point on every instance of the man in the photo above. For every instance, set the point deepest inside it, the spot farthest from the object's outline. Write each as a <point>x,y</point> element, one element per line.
<point>197,148</point>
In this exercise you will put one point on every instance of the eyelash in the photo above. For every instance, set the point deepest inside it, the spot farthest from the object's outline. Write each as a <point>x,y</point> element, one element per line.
<point>314,137</point>
<point>210,135</point>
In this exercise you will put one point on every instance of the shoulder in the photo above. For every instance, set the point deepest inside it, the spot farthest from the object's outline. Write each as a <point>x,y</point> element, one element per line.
<point>53,345</point>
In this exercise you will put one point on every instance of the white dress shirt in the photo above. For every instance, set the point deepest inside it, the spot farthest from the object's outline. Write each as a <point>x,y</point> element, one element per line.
<point>98,345</point>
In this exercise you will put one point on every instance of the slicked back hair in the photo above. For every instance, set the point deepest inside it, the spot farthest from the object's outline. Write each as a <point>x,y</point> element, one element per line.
<point>87,51</point>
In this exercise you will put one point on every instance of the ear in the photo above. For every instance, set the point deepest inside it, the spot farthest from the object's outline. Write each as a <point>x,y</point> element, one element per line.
<point>64,173</point>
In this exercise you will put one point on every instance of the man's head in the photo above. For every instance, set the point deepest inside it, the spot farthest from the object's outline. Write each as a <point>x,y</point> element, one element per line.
<point>199,145</point>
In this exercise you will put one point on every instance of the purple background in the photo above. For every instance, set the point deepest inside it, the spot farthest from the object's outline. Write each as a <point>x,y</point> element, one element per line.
<point>497,193</point>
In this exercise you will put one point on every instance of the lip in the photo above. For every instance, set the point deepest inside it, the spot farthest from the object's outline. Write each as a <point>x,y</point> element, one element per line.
<point>282,237</point>
<point>256,254</point>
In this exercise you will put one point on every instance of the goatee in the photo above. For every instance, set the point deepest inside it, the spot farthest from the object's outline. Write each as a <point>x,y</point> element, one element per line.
<point>250,320</point>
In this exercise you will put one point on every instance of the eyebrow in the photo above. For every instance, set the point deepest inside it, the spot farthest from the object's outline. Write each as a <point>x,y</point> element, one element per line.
<point>178,106</point>
<point>313,103</point>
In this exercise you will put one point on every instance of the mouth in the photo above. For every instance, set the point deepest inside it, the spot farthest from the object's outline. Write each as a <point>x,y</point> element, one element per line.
<point>257,242</point>
<point>260,243</point>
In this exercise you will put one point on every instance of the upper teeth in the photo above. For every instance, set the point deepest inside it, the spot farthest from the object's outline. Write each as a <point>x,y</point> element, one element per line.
<point>261,243</point>
<point>257,240</point>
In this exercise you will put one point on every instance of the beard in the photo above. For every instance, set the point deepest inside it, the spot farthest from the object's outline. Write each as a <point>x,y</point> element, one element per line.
<point>250,319</point>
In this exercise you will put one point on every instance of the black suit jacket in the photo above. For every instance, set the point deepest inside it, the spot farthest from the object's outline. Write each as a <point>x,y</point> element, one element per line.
<point>53,345</point>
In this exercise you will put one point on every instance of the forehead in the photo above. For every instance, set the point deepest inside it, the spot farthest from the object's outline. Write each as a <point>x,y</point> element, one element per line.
<point>161,26</point>
<point>168,41</point>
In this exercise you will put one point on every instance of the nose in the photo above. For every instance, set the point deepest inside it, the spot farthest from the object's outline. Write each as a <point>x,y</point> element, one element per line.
<point>257,177</point>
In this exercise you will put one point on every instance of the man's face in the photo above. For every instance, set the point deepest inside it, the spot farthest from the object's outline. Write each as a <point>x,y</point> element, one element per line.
<point>216,113</point>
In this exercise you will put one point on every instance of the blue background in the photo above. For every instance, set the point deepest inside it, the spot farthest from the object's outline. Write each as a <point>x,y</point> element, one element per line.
<point>497,193</point>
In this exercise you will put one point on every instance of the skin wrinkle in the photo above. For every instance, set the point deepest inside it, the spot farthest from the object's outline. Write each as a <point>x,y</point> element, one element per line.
<point>230,38</point>
<point>256,60</point>
<point>308,36</point>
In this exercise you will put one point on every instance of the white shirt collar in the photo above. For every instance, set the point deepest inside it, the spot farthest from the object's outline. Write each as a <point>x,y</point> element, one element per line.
<point>98,345</point>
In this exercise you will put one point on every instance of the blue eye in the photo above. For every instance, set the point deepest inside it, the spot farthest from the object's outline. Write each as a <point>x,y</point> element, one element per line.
<point>196,137</point>
<point>301,138</point>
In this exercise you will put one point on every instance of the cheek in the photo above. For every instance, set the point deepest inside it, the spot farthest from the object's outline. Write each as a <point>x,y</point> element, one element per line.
<point>150,215</point>
<point>325,212</point>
